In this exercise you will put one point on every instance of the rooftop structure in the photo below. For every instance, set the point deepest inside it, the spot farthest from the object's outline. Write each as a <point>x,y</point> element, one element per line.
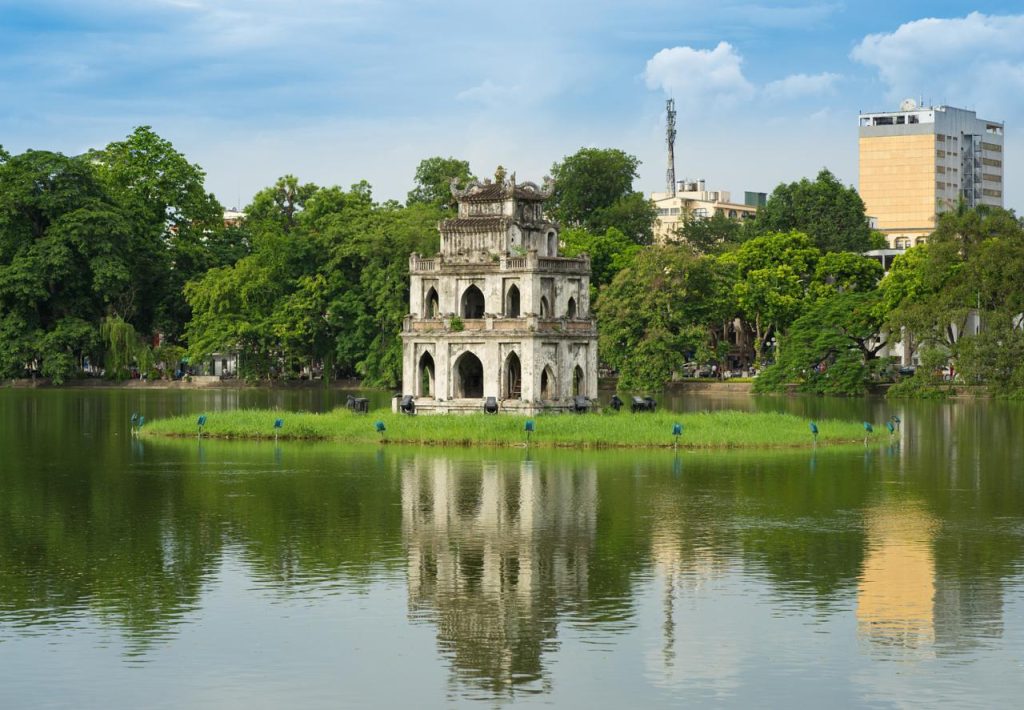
<point>693,200</point>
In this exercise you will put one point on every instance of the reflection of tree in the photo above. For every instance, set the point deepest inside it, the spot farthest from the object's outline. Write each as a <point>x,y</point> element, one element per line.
<point>799,529</point>
<point>494,550</point>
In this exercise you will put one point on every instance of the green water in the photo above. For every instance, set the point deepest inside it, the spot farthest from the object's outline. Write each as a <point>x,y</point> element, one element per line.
<point>219,574</point>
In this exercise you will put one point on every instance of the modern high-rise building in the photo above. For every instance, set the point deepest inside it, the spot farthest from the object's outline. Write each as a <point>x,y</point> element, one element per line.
<point>920,161</point>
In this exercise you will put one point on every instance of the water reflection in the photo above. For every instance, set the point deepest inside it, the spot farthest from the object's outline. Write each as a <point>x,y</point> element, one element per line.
<point>494,548</point>
<point>695,574</point>
<point>896,591</point>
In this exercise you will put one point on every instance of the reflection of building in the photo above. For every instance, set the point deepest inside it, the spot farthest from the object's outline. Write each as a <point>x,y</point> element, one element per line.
<point>895,596</point>
<point>493,550</point>
<point>692,201</point>
<point>919,161</point>
<point>498,313</point>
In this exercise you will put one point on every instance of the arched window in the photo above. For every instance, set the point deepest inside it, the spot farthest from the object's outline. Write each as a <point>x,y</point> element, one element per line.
<point>468,377</point>
<point>431,304</point>
<point>472,303</point>
<point>426,378</point>
<point>544,308</point>
<point>570,308</point>
<point>547,384</point>
<point>902,242</point>
<point>579,383</point>
<point>512,381</point>
<point>552,244</point>
<point>922,240</point>
<point>512,302</point>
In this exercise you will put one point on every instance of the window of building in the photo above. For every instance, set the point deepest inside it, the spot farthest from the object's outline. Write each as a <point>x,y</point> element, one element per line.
<point>900,120</point>
<point>991,178</point>
<point>902,242</point>
<point>992,147</point>
<point>913,118</point>
<point>992,162</point>
<point>992,193</point>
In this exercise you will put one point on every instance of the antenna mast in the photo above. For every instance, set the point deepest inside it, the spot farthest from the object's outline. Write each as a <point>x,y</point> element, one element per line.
<point>670,137</point>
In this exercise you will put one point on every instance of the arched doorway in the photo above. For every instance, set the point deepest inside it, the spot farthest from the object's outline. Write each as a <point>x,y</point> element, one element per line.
<point>512,302</point>
<point>431,304</point>
<point>512,378</point>
<point>472,303</point>
<point>579,383</point>
<point>469,377</point>
<point>570,308</point>
<point>547,383</point>
<point>426,375</point>
<point>544,308</point>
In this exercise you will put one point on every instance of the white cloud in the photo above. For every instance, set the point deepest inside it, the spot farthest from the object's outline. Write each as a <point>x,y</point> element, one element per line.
<point>694,76</point>
<point>973,61</point>
<point>797,86</point>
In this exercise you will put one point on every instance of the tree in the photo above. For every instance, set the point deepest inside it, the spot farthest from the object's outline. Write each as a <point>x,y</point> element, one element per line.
<point>831,214</point>
<point>172,217</point>
<point>832,347</point>
<point>713,235</point>
<point>594,190</point>
<point>845,272</point>
<point>609,252</point>
<point>773,273</point>
<point>433,181</point>
<point>68,257</point>
<point>656,312</point>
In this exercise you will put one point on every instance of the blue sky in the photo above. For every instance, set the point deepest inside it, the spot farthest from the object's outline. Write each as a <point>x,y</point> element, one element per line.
<point>336,91</point>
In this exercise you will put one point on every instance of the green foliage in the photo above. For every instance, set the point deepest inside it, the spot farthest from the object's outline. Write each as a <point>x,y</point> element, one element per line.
<point>124,348</point>
<point>831,348</point>
<point>830,213</point>
<point>594,191</point>
<point>773,273</point>
<point>609,253</point>
<point>713,235</point>
<point>657,311</point>
<point>433,180</point>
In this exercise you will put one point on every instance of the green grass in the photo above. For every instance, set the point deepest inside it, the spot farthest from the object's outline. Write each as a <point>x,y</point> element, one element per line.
<point>705,430</point>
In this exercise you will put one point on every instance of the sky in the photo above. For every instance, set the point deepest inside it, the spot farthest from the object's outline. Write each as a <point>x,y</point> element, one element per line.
<point>338,91</point>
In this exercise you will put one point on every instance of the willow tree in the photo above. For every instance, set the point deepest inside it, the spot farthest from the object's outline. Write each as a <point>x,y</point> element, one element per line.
<point>124,348</point>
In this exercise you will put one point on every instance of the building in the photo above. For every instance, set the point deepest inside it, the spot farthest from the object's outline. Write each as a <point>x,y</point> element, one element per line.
<point>921,161</point>
<point>691,198</point>
<point>497,312</point>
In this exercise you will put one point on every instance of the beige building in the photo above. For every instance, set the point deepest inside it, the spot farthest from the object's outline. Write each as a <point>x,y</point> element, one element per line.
<point>692,198</point>
<point>921,161</point>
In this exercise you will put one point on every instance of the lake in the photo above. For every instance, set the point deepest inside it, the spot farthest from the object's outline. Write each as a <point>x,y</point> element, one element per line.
<point>206,574</point>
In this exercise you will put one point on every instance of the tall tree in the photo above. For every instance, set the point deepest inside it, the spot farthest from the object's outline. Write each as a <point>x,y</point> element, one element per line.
<point>433,181</point>
<point>165,198</point>
<point>773,274</point>
<point>826,210</point>
<point>68,256</point>
<point>594,190</point>
<point>657,312</point>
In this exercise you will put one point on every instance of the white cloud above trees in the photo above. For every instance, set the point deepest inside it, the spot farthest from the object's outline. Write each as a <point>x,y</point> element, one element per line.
<point>975,61</point>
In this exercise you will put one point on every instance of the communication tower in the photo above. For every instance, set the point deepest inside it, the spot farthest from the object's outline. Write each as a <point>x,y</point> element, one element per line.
<point>670,137</point>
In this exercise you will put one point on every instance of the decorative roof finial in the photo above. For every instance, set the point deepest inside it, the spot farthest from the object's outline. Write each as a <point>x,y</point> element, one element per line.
<point>499,175</point>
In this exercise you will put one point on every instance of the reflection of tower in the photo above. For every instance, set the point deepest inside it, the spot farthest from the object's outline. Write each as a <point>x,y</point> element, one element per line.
<point>897,585</point>
<point>683,559</point>
<point>493,549</point>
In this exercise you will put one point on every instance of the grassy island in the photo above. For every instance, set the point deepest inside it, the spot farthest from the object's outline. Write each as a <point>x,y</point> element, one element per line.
<point>701,430</point>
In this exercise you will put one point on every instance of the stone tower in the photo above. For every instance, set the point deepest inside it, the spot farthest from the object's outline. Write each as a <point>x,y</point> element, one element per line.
<point>497,312</point>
